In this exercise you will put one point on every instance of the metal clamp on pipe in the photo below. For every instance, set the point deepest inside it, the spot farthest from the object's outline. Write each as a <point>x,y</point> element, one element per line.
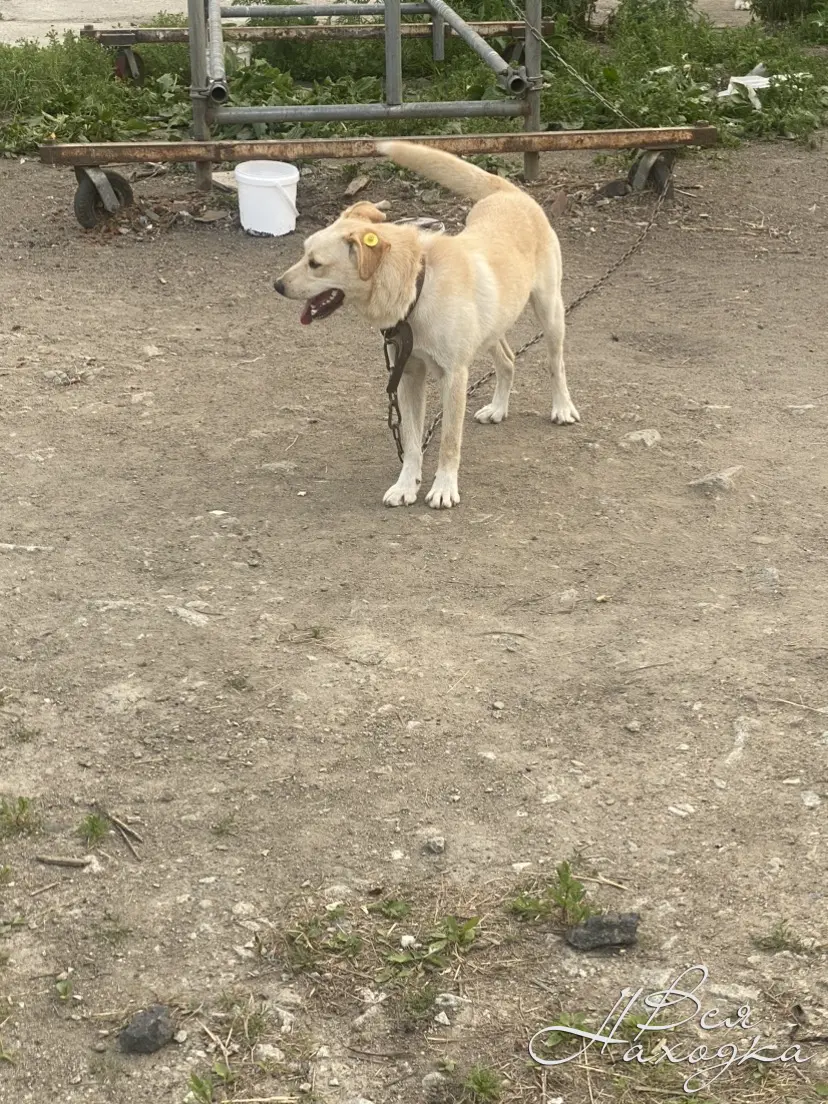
<point>514,81</point>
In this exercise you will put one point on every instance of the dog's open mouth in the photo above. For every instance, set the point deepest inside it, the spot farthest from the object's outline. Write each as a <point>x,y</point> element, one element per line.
<point>322,305</point>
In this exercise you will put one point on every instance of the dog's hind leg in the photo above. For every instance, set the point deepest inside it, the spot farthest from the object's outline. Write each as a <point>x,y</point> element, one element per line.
<point>412,399</point>
<point>498,409</point>
<point>549,310</point>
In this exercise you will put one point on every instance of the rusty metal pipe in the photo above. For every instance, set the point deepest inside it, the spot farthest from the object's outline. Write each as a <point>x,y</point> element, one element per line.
<point>116,36</point>
<point>120,153</point>
<point>269,11</point>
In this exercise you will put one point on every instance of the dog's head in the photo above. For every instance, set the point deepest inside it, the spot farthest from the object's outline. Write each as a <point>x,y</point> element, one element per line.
<point>338,262</point>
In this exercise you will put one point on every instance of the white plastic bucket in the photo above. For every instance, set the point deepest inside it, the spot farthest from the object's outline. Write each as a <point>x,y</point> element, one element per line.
<point>267,196</point>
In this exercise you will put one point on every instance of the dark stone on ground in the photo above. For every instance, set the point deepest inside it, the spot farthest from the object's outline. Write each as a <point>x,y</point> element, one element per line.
<point>611,930</point>
<point>147,1031</point>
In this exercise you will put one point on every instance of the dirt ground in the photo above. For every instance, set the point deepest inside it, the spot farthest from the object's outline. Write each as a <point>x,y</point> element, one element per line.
<point>215,631</point>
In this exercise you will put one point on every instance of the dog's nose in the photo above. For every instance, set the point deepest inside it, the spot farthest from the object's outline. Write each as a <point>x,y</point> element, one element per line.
<point>280,286</point>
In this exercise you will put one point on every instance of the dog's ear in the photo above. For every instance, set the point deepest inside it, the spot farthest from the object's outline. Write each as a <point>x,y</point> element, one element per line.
<point>364,210</point>
<point>369,249</point>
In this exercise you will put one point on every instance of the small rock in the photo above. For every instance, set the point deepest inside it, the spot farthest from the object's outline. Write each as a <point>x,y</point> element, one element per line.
<point>152,351</point>
<point>147,1031</point>
<point>647,437</point>
<point>243,908</point>
<point>286,1020</point>
<point>610,930</point>
<point>357,184</point>
<point>100,1047</point>
<point>436,845</point>
<point>739,994</point>
<point>407,941</point>
<point>265,1052</point>
<point>519,867</point>
<point>567,600</point>
<point>767,580</point>
<point>192,617</point>
<point>435,1087</point>
<point>811,800</point>
<point>683,810</point>
<point>442,1018</point>
<point>450,1000</point>
<point>717,481</point>
<point>633,726</point>
<point>181,1036</point>
<point>498,705</point>
<point>615,189</point>
<point>286,466</point>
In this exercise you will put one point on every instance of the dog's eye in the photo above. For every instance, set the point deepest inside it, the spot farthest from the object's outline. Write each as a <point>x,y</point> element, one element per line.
<point>314,264</point>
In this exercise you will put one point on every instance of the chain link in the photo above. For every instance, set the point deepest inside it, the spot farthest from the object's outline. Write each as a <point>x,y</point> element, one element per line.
<point>576,302</point>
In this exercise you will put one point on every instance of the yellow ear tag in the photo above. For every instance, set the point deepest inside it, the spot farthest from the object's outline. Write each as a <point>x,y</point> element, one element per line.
<point>370,239</point>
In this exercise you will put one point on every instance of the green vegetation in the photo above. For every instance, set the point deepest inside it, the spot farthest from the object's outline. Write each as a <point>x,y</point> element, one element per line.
<point>654,63</point>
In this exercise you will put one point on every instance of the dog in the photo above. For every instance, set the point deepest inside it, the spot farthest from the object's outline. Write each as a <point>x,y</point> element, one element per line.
<point>459,294</point>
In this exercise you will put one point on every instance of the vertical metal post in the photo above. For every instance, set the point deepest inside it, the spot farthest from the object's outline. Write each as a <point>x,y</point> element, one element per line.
<point>393,52</point>
<point>533,61</point>
<point>438,37</point>
<point>197,32</point>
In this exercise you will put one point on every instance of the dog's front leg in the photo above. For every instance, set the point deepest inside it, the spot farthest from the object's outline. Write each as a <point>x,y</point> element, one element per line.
<point>444,492</point>
<point>411,395</point>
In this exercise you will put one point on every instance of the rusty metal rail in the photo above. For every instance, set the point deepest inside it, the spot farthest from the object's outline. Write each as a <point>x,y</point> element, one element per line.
<point>120,153</point>
<point>138,36</point>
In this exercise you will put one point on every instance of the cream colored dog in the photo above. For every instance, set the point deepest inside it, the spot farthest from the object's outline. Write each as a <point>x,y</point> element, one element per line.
<point>476,286</point>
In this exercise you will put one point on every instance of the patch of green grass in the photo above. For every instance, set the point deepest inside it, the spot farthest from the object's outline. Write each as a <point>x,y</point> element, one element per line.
<point>18,817</point>
<point>319,935</point>
<point>781,938</point>
<point>6,874</point>
<point>482,1085</point>
<point>201,1088</point>
<point>451,938</point>
<point>391,908</point>
<point>565,899</point>
<point>93,829</point>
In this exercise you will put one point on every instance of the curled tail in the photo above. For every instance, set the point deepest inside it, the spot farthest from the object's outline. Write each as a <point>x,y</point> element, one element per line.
<point>445,169</point>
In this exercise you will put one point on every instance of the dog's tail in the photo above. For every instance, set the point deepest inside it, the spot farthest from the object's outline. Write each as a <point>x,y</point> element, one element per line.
<point>445,169</point>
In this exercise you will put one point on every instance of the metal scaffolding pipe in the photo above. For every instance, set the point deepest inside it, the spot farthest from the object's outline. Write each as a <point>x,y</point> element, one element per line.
<point>532,56</point>
<point>327,113</point>
<point>122,153</point>
<point>511,79</point>
<point>393,53</point>
<point>301,11</point>
<point>198,86</point>
<point>216,75</point>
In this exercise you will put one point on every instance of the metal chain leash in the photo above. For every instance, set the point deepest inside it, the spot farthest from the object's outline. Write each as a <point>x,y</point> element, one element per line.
<point>576,302</point>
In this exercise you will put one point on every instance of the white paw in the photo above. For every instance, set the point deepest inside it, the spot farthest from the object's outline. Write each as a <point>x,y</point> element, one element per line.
<point>490,414</point>
<point>444,493</point>
<point>565,414</point>
<point>403,493</point>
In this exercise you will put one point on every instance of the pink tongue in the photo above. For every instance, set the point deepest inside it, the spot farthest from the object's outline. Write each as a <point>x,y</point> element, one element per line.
<point>306,317</point>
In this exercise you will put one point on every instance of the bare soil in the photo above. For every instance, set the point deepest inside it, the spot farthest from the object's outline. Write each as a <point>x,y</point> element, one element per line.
<point>285,689</point>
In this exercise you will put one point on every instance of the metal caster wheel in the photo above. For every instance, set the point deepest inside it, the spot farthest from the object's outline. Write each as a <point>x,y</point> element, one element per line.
<point>100,194</point>
<point>129,66</point>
